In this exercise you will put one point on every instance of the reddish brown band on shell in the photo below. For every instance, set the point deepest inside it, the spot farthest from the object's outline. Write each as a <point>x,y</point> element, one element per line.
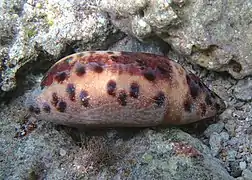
<point>150,66</point>
<point>57,68</point>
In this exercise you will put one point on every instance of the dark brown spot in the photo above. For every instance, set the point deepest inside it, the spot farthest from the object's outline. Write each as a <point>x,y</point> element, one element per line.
<point>80,69</point>
<point>188,105</point>
<point>84,98</point>
<point>31,108</point>
<point>61,106</point>
<point>111,87</point>
<point>110,52</point>
<point>55,99</point>
<point>159,99</point>
<point>36,110</point>
<point>122,97</point>
<point>208,100</point>
<point>96,67</point>
<point>134,90</point>
<point>193,87</point>
<point>46,108</point>
<point>203,109</point>
<point>70,89</point>
<point>60,76</point>
<point>149,74</point>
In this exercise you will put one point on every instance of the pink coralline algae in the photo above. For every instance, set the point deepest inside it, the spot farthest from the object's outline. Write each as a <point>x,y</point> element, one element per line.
<point>184,149</point>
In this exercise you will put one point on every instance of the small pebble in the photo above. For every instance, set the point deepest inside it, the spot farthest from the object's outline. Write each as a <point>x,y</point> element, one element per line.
<point>235,169</point>
<point>62,152</point>
<point>249,130</point>
<point>224,136</point>
<point>247,174</point>
<point>215,143</point>
<point>239,156</point>
<point>249,158</point>
<point>231,154</point>
<point>233,141</point>
<point>239,178</point>
<point>243,165</point>
<point>214,128</point>
<point>230,127</point>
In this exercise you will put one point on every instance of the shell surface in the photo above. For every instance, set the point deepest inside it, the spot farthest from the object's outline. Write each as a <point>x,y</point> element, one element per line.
<point>122,89</point>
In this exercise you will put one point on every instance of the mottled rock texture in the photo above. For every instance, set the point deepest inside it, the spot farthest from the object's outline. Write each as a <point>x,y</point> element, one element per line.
<point>53,152</point>
<point>214,34</point>
<point>243,89</point>
<point>45,30</point>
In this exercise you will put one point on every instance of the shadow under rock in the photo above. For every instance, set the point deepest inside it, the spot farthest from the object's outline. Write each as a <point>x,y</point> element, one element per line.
<point>80,136</point>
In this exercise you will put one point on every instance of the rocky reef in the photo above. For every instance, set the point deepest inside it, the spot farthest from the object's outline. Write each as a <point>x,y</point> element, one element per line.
<point>213,34</point>
<point>210,38</point>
